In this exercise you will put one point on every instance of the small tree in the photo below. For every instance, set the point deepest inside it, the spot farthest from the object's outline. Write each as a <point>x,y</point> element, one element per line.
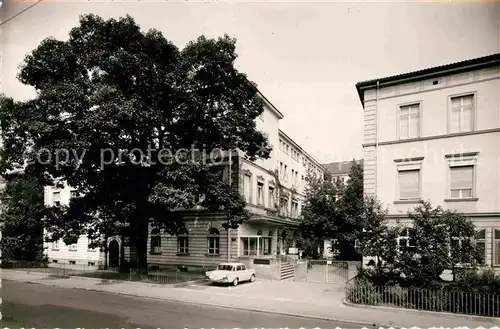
<point>351,205</point>
<point>21,218</point>
<point>377,241</point>
<point>320,215</point>
<point>441,240</point>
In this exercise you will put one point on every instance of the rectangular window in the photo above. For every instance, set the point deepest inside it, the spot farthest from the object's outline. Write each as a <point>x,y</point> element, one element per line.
<point>285,174</point>
<point>281,170</point>
<point>481,246</point>
<point>287,149</point>
<point>409,184</point>
<point>247,188</point>
<point>461,182</point>
<point>409,121</point>
<point>89,246</point>
<point>260,194</point>
<point>90,264</point>
<point>249,246</point>
<point>265,246</point>
<point>72,194</point>
<point>56,198</point>
<point>72,262</point>
<point>462,114</point>
<point>156,244</point>
<point>213,247</point>
<point>496,247</point>
<point>183,244</point>
<point>271,199</point>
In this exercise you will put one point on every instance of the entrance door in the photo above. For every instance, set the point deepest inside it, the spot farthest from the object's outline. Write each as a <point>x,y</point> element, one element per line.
<point>114,254</point>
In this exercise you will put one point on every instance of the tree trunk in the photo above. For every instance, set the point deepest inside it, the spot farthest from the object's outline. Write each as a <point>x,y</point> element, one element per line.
<point>105,251</point>
<point>141,243</point>
<point>122,252</point>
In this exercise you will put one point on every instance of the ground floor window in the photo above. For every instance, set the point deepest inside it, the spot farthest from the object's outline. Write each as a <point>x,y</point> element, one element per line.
<point>496,247</point>
<point>213,242</point>
<point>183,244</point>
<point>256,246</point>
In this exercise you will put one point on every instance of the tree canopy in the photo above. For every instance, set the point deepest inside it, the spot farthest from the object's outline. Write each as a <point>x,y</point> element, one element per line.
<point>333,211</point>
<point>22,211</point>
<point>124,117</point>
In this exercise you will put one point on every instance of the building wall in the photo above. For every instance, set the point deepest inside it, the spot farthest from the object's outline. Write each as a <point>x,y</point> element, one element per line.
<point>268,123</point>
<point>434,172</point>
<point>435,108</point>
<point>384,151</point>
<point>198,228</point>
<point>61,252</point>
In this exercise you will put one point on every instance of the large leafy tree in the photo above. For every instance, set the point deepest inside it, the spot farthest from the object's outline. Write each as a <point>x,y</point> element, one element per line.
<point>22,210</point>
<point>115,113</point>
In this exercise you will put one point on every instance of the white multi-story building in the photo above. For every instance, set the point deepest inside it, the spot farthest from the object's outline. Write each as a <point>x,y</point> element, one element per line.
<point>434,135</point>
<point>205,242</point>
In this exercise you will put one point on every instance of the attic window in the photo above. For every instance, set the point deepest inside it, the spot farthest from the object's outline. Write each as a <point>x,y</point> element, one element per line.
<point>435,82</point>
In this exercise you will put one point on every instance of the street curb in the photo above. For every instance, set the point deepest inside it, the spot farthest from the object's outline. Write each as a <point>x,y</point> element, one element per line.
<point>165,285</point>
<point>175,285</point>
<point>440,314</point>
<point>291,314</point>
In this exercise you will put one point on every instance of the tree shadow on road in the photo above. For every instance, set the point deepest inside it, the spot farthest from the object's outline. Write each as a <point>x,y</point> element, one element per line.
<point>52,316</point>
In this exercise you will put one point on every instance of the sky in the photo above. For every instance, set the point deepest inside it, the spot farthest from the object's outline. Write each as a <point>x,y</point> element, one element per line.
<point>305,57</point>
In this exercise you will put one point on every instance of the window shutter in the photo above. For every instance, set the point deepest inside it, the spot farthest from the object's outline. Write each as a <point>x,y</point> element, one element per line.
<point>409,184</point>
<point>461,177</point>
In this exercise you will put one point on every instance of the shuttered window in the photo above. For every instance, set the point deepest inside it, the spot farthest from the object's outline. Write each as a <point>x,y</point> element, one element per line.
<point>409,184</point>
<point>461,182</point>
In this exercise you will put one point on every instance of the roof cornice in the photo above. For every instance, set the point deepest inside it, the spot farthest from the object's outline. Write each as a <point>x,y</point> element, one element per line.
<point>428,73</point>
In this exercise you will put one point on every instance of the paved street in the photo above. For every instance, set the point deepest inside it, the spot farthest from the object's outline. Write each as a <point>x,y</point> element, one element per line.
<point>40,306</point>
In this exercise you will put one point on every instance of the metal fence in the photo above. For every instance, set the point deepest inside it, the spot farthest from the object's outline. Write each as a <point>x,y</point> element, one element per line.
<point>65,270</point>
<point>326,271</point>
<point>469,303</point>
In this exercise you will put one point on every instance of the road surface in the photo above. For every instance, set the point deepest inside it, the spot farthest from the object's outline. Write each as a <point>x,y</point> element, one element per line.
<point>39,306</point>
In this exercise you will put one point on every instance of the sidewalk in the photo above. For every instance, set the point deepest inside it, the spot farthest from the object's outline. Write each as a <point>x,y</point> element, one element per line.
<point>290,298</point>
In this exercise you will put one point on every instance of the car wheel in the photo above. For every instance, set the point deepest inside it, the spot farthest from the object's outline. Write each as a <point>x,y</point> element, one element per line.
<point>252,278</point>
<point>235,282</point>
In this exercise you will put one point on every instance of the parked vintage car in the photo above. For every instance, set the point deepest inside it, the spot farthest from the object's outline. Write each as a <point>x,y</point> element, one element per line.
<point>231,273</point>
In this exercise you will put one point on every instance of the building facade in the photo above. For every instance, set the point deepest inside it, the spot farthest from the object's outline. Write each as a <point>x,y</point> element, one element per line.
<point>340,170</point>
<point>273,188</point>
<point>434,135</point>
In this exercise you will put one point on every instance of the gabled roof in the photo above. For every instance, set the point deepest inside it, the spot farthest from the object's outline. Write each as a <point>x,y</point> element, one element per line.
<point>429,73</point>
<point>340,168</point>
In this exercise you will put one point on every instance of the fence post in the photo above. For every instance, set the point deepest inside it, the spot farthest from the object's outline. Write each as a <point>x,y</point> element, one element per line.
<point>326,272</point>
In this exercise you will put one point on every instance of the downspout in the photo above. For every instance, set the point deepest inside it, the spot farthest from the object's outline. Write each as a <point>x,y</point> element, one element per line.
<point>376,138</point>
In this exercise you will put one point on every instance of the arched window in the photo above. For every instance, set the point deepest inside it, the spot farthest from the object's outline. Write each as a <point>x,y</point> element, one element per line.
<point>481,245</point>
<point>183,242</point>
<point>213,241</point>
<point>259,232</point>
<point>270,233</point>
<point>155,241</point>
